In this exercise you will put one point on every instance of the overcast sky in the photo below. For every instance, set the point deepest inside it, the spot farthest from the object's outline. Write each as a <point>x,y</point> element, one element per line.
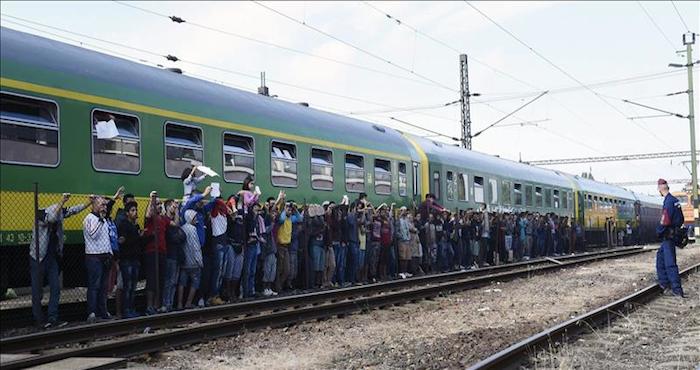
<point>592,42</point>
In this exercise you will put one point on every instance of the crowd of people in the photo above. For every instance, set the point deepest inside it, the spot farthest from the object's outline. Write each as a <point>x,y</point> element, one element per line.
<point>205,249</point>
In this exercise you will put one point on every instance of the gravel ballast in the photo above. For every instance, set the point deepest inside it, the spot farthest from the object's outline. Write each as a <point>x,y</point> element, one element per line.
<point>447,332</point>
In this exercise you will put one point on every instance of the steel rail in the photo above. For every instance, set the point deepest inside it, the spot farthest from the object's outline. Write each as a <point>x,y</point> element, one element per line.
<point>75,311</point>
<point>514,356</point>
<point>284,315</point>
<point>52,338</point>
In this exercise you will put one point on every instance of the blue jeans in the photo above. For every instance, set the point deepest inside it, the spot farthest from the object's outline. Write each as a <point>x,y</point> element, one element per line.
<point>666,267</point>
<point>341,252</point>
<point>171,279</point>
<point>130,276</point>
<point>46,269</point>
<point>216,262</point>
<point>354,263</point>
<point>445,254</point>
<point>250,259</point>
<point>97,266</point>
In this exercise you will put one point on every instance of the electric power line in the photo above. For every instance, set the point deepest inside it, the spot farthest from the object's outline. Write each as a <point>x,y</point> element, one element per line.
<point>179,20</point>
<point>658,28</point>
<point>567,74</point>
<point>680,16</point>
<point>353,46</point>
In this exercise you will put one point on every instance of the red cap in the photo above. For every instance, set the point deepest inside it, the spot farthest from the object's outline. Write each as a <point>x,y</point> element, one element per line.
<point>661,182</point>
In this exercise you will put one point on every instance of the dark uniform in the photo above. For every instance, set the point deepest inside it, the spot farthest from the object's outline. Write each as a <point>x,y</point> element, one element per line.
<point>671,221</point>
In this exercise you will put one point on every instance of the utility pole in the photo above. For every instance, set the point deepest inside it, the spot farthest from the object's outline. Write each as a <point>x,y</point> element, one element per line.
<point>689,40</point>
<point>466,138</point>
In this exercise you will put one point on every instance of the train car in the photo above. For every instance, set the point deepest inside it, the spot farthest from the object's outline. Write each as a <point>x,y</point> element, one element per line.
<point>648,214</point>
<point>53,94</point>
<point>598,202</point>
<point>463,179</point>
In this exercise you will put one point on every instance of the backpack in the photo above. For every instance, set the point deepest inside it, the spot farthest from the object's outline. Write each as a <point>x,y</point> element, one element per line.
<point>175,238</point>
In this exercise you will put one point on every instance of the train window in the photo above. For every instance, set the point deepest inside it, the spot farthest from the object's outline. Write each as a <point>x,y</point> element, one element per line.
<point>538,197</point>
<point>570,200</point>
<point>415,178</point>
<point>283,164</point>
<point>555,195</point>
<point>589,201</point>
<point>121,152</point>
<point>183,148</point>
<point>462,182</point>
<point>403,179</point>
<point>436,184</point>
<point>382,176</point>
<point>29,132</point>
<point>478,189</point>
<point>321,169</point>
<point>564,199</point>
<point>239,157</point>
<point>354,173</point>
<point>493,191</point>
<point>450,185</point>
<point>548,198</point>
<point>528,196</point>
<point>518,192</point>
<point>505,191</point>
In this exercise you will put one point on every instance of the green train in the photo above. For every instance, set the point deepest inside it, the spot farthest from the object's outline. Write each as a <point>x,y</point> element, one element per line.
<point>53,94</point>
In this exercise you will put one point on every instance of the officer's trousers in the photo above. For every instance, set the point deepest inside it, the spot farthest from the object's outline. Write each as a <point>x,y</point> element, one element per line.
<point>666,267</point>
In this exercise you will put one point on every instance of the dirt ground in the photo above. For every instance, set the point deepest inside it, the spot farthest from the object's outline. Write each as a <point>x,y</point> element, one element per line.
<point>447,332</point>
<point>662,334</point>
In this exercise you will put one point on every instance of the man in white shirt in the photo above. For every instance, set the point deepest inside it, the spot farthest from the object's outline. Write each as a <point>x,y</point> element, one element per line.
<point>98,259</point>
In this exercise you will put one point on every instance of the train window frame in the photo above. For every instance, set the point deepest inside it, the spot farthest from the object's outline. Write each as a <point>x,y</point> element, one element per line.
<point>363,169</point>
<point>436,185</point>
<point>529,195</point>
<point>224,152</point>
<point>391,176</point>
<point>331,166</point>
<point>93,137</point>
<point>506,190</point>
<point>449,182</point>
<point>35,125</point>
<point>463,179</point>
<point>414,174</point>
<point>564,199</point>
<point>481,189</point>
<point>518,191</point>
<point>493,191</point>
<point>547,197</point>
<point>556,200</point>
<point>166,144</point>
<point>539,197</point>
<point>294,159</point>
<point>403,179</point>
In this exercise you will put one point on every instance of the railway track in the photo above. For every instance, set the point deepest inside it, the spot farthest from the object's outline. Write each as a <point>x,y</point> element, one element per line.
<point>649,299</point>
<point>188,327</point>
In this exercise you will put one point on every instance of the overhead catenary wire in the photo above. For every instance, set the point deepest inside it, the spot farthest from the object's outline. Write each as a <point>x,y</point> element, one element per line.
<point>567,74</point>
<point>656,25</point>
<point>680,16</point>
<point>448,46</point>
<point>180,20</point>
<point>353,46</point>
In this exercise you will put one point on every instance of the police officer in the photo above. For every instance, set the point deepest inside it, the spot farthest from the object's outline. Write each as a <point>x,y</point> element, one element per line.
<point>671,222</point>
